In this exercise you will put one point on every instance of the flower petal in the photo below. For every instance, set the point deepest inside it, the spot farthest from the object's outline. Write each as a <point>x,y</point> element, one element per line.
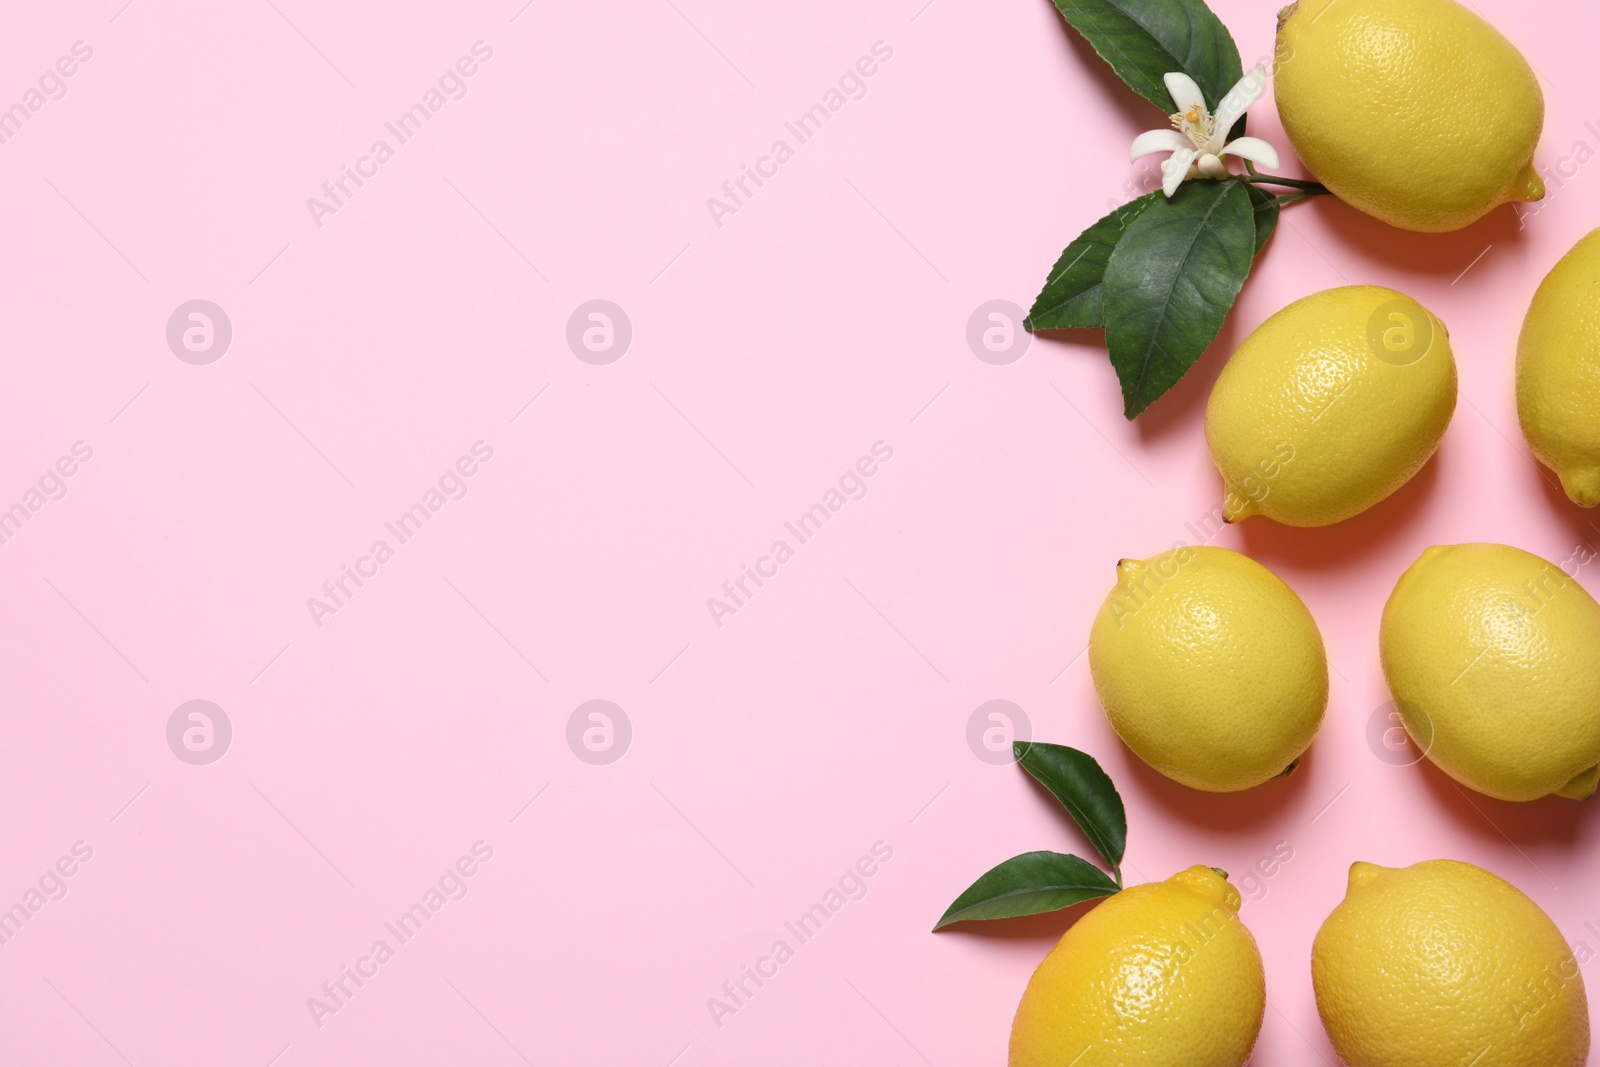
<point>1185,93</point>
<point>1157,141</point>
<point>1254,149</point>
<point>1250,88</point>
<point>1175,169</point>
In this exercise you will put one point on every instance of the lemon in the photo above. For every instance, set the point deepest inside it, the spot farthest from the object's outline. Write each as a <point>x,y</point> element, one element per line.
<point>1209,667</point>
<point>1493,658</point>
<point>1558,372</point>
<point>1330,405</point>
<point>1162,974</point>
<point>1417,112</point>
<point>1441,964</point>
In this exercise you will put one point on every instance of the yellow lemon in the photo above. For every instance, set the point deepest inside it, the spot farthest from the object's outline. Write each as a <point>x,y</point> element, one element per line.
<point>1162,975</point>
<point>1441,964</point>
<point>1330,405</point>
<point>1209,667</point>
<point>1558,372</point>
<point>1493,658</point>
<point>1417,112</point>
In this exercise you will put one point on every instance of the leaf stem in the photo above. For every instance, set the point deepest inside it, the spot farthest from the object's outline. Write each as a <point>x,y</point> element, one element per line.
<point>1311,188</point>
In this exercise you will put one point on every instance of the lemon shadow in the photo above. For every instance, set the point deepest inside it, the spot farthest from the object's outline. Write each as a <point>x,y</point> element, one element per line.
<point>1497,822</point>
<point>1455,255</point>
<point>1326,547</point>
<point>1583,523</point>
<point>1179,407</point>
<point>1243,811</point>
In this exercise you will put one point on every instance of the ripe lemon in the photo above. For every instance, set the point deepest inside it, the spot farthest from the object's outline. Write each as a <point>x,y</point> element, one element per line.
<point>1162,974</point>
<point>1209,667</point>
<point>1493,658</point>
<point>1441,964</point>
<point>1417,112</point>
<point>1558,372</point>
<point>1330,405</point>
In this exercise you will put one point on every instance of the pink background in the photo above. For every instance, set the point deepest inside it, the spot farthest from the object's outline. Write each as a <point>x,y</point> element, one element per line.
<point>768,354</point>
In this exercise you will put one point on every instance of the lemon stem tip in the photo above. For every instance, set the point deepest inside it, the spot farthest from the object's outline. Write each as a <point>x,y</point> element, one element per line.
<point>1582,486</point>
<point>1527,186</point>
<point>1361,873</point>
<point>1582,786</point>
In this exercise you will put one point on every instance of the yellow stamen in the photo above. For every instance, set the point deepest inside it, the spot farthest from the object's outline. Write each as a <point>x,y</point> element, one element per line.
<point>1197,124</point>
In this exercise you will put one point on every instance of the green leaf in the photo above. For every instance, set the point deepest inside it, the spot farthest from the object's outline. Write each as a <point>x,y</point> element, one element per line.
<point>1170,282</point>
<point>1030,884</point>
<point>1084,789</point>
<point>1266,206</point>
<point>1071,295</point>
<point>1144,39</point>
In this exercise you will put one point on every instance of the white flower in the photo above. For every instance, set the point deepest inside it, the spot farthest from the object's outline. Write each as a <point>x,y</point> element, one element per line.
<point>1199,139</point>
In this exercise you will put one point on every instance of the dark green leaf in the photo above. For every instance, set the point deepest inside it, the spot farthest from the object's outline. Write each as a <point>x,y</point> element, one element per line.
<point>1071,295</point>
<point>1029,884</point>
<point>1070,298</point>
<point>1170,282</point>
<point>1266,206</point>
<point>1144,39</point>
<point>1084,789</point>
